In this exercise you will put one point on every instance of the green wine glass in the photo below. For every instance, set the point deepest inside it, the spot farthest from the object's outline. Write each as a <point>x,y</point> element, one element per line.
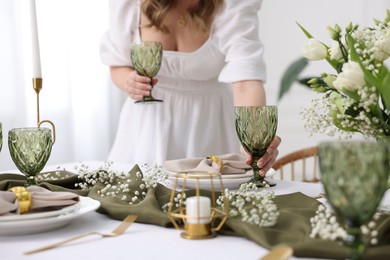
<point>256,128</point>
<point>354,175</point>
<point>146,58</point>
<point>30,148</point>
<point>1,136</point>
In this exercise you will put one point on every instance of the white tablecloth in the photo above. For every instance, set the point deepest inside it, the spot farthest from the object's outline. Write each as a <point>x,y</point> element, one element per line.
<point>141,241</point>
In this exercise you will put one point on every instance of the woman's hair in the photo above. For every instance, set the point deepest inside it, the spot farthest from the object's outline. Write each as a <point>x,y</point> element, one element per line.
<point>202,16</point>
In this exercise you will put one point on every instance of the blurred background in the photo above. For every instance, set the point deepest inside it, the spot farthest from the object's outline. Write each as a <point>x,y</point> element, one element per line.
<point>78,95</point>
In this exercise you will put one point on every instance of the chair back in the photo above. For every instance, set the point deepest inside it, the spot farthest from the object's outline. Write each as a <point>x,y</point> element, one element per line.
<point>300,165</point>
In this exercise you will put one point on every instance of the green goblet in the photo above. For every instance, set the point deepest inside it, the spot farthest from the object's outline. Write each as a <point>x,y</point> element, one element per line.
<point>354,175</point>
<point>30,148</point>
<point>146,58</point>
<point>256,128</point>
<point>1,136</point>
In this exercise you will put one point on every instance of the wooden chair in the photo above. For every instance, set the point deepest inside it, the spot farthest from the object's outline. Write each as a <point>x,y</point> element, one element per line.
<point>300,158</point>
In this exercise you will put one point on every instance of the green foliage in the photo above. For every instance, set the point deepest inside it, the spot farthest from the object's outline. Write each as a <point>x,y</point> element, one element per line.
<point>291,76</point>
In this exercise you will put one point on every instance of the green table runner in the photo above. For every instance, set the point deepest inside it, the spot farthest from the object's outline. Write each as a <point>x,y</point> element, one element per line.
<point>292,228</point>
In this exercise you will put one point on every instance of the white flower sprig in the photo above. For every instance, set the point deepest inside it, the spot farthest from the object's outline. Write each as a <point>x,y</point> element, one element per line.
<point>179,200</point>
<point>154,174</point>
<point>254,205</point>
<point>120,184</point>
<point>325,226</point>
<point>57,175</point>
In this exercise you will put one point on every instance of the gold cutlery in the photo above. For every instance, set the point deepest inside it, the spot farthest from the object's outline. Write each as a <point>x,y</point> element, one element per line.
<point>281,252</point>
<point>119,230</point>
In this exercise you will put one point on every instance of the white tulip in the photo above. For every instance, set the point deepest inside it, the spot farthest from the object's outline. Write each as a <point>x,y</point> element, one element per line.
<point>314,50</point>
<point>335,51</point>
<point>382,47</point>
<point>351,78</point>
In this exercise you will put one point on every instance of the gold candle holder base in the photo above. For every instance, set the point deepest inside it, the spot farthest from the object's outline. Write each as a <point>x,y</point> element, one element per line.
<point>198,231</point>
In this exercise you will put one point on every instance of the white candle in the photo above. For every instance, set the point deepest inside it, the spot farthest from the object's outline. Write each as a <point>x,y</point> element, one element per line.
<point>35,42</point>
<point>198,210</point>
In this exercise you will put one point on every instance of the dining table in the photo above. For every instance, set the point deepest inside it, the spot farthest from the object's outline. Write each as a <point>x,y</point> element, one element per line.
<point>140,241</point>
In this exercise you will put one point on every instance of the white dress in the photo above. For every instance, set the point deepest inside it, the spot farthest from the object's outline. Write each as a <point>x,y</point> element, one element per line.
<point>196,118</point>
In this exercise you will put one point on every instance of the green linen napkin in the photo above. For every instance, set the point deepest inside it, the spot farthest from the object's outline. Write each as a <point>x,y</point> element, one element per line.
<point>293,226</point>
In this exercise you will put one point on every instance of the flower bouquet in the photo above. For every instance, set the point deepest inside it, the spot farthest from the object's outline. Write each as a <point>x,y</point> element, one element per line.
<point>356,96</point>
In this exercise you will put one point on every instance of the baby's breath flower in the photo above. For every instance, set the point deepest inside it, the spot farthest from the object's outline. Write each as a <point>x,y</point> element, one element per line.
<point>120,184</point>
<point>324,225</point>
<point>252,204</point>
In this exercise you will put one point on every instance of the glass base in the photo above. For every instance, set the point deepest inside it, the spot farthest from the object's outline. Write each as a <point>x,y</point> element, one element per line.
<point>148,99</point>
<point>262,183</point>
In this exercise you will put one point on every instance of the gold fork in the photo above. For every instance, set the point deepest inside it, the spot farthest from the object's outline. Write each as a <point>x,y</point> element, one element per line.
<point>280,252</point>
<point>119,230</point>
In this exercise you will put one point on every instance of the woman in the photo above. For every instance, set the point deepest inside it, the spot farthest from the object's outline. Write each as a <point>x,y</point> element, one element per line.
<point>212,61</point>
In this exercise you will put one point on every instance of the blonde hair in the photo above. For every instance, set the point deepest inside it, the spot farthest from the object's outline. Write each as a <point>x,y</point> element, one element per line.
<point>202,16</point>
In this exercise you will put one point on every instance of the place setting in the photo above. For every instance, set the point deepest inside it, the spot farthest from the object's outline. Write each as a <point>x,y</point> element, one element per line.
<point>197,171</point>
<point>26,206</point>
<point>44,218</point>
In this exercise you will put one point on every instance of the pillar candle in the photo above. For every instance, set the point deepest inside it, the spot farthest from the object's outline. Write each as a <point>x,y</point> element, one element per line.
<point>198,210</point>
<point>35,42</point>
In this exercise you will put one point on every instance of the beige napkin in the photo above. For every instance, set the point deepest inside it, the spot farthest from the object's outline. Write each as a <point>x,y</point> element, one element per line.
<point>231,164</point>
<point>8,203</point>
<point>42,199</point>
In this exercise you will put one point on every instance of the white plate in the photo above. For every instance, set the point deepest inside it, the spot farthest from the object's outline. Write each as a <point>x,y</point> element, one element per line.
<point>224,176</point>
<point>229,181</point>
<point>45,214</point>
<point>30,226</point>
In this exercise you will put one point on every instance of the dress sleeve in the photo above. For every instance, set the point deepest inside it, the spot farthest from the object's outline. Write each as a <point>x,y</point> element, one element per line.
<point>236,28</point>
<point>123,27</point>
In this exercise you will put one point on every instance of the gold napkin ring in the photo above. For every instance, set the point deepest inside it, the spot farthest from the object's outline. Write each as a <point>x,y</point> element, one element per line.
<point>217,160</point>
<point>24,198</point>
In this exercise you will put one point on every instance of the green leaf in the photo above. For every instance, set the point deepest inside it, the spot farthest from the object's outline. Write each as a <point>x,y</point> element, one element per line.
<point>305,81</point>
<point>291,75</point>
<point>352,94</point>
<point>383,86</point>
<point>308,35</point>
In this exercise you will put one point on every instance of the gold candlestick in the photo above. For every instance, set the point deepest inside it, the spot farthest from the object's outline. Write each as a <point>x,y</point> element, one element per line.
<point>37,85</point>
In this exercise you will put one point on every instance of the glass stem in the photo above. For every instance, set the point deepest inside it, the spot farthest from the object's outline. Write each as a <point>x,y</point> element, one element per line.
<point>150,97</point>
<point>256,170</point>
<point>355,243</point>
<point>30,181</point>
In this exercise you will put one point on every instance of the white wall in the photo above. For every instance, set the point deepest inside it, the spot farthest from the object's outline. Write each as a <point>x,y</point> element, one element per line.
<point>284,40</point>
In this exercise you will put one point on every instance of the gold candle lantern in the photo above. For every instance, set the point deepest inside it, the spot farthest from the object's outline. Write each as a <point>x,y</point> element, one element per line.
<point>198,215</point>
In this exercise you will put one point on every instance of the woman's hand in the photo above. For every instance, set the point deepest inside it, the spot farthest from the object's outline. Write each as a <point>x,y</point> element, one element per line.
<point>265,163</point>
<point>134,85</point>
<point>138,86</point>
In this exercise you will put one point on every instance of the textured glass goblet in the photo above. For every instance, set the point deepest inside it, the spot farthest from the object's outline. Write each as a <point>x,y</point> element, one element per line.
<point>30,148</point>
<point>354,175</point>
<point>146,58</point>
<point>1,136</point>
<point>256,128</point>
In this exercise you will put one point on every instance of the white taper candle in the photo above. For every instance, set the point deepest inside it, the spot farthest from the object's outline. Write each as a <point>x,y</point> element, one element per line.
<point>35,42</point>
